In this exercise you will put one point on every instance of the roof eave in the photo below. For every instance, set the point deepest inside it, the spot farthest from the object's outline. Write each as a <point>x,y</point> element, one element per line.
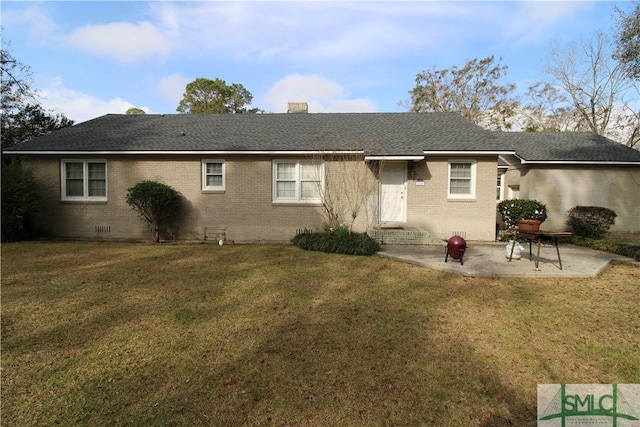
<point>392,157</point>
<point>190,152</point>
<point>470,152</point>
<point>580,162</point>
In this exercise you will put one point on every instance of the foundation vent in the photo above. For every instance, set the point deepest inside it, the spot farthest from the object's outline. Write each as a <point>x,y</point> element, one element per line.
<point>462,234</point>
<point>219,234</point>
<point>103,228</point>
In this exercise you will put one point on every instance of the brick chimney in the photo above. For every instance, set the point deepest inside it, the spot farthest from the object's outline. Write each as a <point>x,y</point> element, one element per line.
<point>297,107</point>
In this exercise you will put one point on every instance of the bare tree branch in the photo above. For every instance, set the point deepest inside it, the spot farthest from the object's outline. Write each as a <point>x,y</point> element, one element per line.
<point>350,188</point>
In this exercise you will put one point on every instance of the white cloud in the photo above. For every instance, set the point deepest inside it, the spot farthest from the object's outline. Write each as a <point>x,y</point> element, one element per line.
<point>79,106</point>
<point>322,95</point>
<point>38,24</point>
<point>122,41</point>
<point>358,105</point>
<point>373,48</point>
<point>545,15</point>
<point>303,31</point>
<point>172,87</point>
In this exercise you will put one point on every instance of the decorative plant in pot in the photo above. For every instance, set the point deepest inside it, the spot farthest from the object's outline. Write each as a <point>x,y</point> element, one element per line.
<point>525,214</point>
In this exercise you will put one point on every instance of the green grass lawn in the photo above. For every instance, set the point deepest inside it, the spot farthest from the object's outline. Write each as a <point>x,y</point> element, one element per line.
<point>132,334</point>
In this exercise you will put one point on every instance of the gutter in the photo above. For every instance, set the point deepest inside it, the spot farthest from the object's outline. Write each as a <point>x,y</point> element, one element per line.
<point>191,152</point>
<point>457,153</point>
<point>469,152</point>
<point>412,158</point>
<point>577,162</point>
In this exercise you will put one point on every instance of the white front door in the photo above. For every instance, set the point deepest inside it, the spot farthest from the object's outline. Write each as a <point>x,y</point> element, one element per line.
<point>393,188</point>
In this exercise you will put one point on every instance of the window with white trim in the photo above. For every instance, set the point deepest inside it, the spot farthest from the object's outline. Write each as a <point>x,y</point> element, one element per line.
<point>500,186</point>
<point>213,175</point>
<point>514,192</point>
<point>84,180</point>
<point>462,179</point>
<point>297,181</point>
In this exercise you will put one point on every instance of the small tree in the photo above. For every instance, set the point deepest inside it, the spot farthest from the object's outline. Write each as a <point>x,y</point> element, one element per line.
<point>22,196</point>
<point>135,110</point>
<point>158,204</point>
<point>349,182</point>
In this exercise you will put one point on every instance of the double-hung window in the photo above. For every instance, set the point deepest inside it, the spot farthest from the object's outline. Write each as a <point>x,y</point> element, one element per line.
<point>462,179</point>
<point>84,180</point>
<point>297,181</point>
<point>213,175</point>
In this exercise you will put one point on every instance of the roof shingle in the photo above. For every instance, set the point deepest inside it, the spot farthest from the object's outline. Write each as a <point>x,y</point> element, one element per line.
<point>381,133</point>
<point>389,134</point>
<point>567,147</point>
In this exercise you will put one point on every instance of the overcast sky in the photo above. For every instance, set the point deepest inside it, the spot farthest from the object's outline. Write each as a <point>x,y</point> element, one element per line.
<point>95,58</point>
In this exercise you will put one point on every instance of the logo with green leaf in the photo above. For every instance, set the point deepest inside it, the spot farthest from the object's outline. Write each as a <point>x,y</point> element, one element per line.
<point>588,405</point>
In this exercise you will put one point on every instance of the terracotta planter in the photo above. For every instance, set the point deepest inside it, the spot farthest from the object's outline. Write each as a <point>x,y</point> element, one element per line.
<point>529,225</point>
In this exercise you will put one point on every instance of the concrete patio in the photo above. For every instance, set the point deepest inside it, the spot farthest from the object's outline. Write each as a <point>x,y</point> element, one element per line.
<point>489,260</point>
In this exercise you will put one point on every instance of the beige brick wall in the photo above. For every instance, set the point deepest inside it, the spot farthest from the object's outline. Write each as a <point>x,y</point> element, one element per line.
<point>245,208</point>
<point>430,209</point>
<point>562,189</point>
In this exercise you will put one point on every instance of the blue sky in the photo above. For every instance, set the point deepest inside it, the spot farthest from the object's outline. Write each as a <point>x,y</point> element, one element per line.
<point>94,58</point>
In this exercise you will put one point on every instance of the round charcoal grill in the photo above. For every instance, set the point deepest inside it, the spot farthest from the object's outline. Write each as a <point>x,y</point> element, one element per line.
<point>456,246</point>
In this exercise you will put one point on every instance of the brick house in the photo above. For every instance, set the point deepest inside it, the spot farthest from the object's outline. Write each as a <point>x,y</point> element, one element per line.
<point>567,169</point>
<point>262,177</point>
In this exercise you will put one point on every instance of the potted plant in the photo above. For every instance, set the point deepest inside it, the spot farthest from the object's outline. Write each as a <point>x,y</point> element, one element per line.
<point>525,214</point>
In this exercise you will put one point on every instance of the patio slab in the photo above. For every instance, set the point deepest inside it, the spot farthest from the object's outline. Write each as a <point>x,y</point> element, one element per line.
<point>489,260</point>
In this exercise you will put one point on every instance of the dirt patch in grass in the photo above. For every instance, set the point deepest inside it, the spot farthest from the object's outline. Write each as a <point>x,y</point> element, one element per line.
<point>114,334</point>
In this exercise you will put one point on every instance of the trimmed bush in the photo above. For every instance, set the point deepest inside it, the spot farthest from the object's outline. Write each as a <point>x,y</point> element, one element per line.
<point>157,204</point>
<point>590,221</point>
<point>339,241</point>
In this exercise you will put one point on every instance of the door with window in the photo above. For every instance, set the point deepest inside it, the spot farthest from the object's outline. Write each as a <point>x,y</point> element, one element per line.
<point>393,189</point>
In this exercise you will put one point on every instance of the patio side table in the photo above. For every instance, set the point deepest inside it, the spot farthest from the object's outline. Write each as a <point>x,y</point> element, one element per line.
<point>538,237</point>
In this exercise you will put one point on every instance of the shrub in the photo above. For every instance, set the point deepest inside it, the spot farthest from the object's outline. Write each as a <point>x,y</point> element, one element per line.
<point>22,196</point>
<point>513,210</point>
<point>590,221</point>
<point>339,240</point>
<point>158,204</point>
<point>624,249</point>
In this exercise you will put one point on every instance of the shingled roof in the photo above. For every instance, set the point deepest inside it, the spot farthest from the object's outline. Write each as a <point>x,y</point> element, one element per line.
<point>389,134</point>
<point>378,134</point>
<point>568,147</point>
